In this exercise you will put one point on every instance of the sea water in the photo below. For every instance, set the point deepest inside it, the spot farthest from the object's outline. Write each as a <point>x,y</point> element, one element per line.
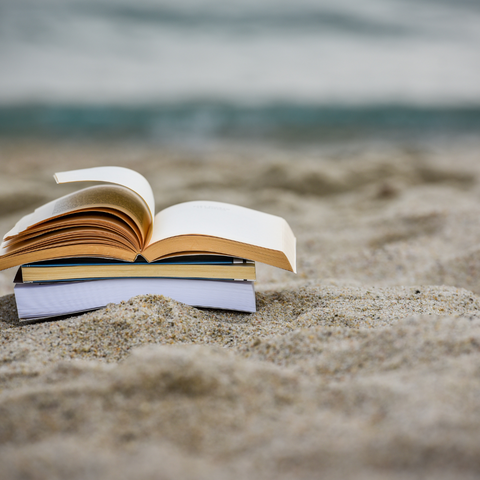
<point>298,70</point>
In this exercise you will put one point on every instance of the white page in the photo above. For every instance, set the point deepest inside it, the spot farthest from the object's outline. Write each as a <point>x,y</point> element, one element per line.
<point>227,221</point>
<point>118,175</point>
<point>59,298</point>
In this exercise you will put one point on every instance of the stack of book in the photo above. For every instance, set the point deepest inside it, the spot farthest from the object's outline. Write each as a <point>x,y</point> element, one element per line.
<point>104,244</point>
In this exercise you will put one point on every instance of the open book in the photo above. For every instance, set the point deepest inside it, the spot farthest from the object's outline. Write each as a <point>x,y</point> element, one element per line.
<point>117,220</point>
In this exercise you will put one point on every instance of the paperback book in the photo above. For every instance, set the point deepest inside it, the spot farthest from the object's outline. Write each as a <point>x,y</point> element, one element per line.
<point>195,266</point>
<point>118,221</point>
<point>37,301</point>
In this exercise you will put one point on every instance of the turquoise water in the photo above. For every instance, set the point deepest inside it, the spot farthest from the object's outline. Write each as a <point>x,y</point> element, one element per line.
<point>200,123</point>
<point>303,70</point>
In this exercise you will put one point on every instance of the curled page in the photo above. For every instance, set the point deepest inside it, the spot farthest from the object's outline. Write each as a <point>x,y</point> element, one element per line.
<point>118,175</point>
<point>226,221</point>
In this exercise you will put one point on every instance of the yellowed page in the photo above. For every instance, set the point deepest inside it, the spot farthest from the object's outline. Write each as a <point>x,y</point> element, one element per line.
<point>38,274</point>
<point>110,196</point>
<point>8,259</point>
<point>118,175</point>
<point>227,221</point>
<point>108,219</point>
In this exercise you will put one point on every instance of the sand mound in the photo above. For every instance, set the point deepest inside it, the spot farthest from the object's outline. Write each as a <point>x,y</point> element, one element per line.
<point>318,375</point>
<point>338,398</point>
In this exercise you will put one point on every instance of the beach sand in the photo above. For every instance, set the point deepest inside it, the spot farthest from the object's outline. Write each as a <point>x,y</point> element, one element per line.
<point>365,365</point>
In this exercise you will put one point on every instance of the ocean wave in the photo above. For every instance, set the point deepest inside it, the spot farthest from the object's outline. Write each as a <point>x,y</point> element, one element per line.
<point>281,121</point>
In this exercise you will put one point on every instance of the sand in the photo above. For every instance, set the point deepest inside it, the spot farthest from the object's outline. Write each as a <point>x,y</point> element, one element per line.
<point>365,365</point>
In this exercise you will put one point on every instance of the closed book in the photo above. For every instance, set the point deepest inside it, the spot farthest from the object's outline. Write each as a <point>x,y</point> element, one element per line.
<point>45,300</point>
<point>196,266</point>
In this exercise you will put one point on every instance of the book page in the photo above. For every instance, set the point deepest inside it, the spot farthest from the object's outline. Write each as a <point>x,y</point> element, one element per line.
<point>107,196</point>
<point>227,221</point>
<point>118,175</point>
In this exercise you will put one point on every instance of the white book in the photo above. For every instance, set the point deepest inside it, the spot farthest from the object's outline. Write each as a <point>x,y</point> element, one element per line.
<point>45,300</point>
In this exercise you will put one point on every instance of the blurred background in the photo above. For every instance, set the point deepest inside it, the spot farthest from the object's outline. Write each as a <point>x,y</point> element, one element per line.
<point>202,71</point>
<point>356,120</point>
